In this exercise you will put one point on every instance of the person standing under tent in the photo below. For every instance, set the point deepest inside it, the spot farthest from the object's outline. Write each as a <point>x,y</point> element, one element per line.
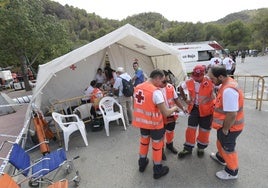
<point>126,102</point>
<point>100,77</point>
<point>139,75</point>
<point>110,74</point>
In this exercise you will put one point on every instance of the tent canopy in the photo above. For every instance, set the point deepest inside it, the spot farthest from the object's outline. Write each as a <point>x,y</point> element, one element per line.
<point>67,76</point>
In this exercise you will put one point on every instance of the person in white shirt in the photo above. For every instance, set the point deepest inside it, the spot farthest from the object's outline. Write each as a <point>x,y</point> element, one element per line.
<point>228,63</point>
<point>216,60</point>
<point>126,102</point>
<point>228,120</point>
<point>88,94</point>
<point>88,91</point>
<point>100,76</point>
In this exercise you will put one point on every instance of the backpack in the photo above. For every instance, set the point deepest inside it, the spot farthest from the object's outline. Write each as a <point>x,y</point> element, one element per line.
<point>128,88</point>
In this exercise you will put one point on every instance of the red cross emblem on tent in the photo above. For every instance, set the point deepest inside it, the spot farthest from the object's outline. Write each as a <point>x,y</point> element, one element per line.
<point>139,97</point>
<point>73,67</point>
<point>140,46</point>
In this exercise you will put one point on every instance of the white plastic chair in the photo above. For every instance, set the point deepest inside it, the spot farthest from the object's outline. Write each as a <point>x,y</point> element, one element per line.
<point>106,107</point>
<point>83,111</point>
<point>69,127</point>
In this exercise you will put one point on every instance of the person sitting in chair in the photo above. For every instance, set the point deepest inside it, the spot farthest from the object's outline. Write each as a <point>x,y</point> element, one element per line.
<point>96,96</point>
<point>88,91</point>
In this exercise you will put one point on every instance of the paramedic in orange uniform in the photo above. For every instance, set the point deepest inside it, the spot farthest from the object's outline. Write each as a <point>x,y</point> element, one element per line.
<point>228,120</point>
<point>200,107</point>
<point>171,99</point>
<point>96,96</point>
<point>149,105</point>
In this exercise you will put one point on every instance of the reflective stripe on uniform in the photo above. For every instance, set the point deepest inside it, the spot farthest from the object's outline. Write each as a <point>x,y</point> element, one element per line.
<point>147,113</point>
<point>147,122</point>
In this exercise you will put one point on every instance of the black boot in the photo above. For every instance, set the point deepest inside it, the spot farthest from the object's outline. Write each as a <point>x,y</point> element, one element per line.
<point>184,153</point>
<point>171,148</point>
<point>160,171</point>
<point>200,152</point>
<point>143,162</point>
<point>164,158</point>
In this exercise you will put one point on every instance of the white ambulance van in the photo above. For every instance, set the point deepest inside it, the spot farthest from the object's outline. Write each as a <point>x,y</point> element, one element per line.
<point>194,53</point>
<point>6,79</point>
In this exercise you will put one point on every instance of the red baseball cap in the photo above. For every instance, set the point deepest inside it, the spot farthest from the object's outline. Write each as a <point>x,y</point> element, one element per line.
<point>198,71</point>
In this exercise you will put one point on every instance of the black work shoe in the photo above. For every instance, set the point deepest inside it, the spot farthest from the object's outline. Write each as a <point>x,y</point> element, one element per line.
<point>171,148</point>
<point>164,157</point>
<point>160,171</point>
<point>200,152</point>
<point>143,162</point>
<point>183,153</point>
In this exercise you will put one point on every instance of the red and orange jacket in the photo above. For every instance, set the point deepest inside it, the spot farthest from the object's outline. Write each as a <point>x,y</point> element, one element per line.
<point>206,97</point>
<point>219,115</point>
<point>146,114</point>
<point>169,89</point>
<point>95,97</point>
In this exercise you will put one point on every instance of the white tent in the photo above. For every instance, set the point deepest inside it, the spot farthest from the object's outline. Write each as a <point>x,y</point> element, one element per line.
<point>68,76</point>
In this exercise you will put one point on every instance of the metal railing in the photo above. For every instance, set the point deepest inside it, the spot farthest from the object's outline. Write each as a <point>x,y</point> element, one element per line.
<point>65,106</point>
<point>255,87</point>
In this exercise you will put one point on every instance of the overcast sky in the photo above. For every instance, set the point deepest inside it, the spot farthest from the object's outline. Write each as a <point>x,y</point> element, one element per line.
<point>173,10</point>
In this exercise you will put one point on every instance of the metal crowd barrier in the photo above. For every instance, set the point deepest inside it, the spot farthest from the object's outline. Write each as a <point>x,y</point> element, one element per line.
<point>255,87</point>
<point>24,99</point>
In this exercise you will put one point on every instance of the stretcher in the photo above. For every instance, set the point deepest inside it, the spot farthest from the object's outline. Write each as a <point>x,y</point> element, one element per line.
<point>38,171</point>
<point>43,131</point>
